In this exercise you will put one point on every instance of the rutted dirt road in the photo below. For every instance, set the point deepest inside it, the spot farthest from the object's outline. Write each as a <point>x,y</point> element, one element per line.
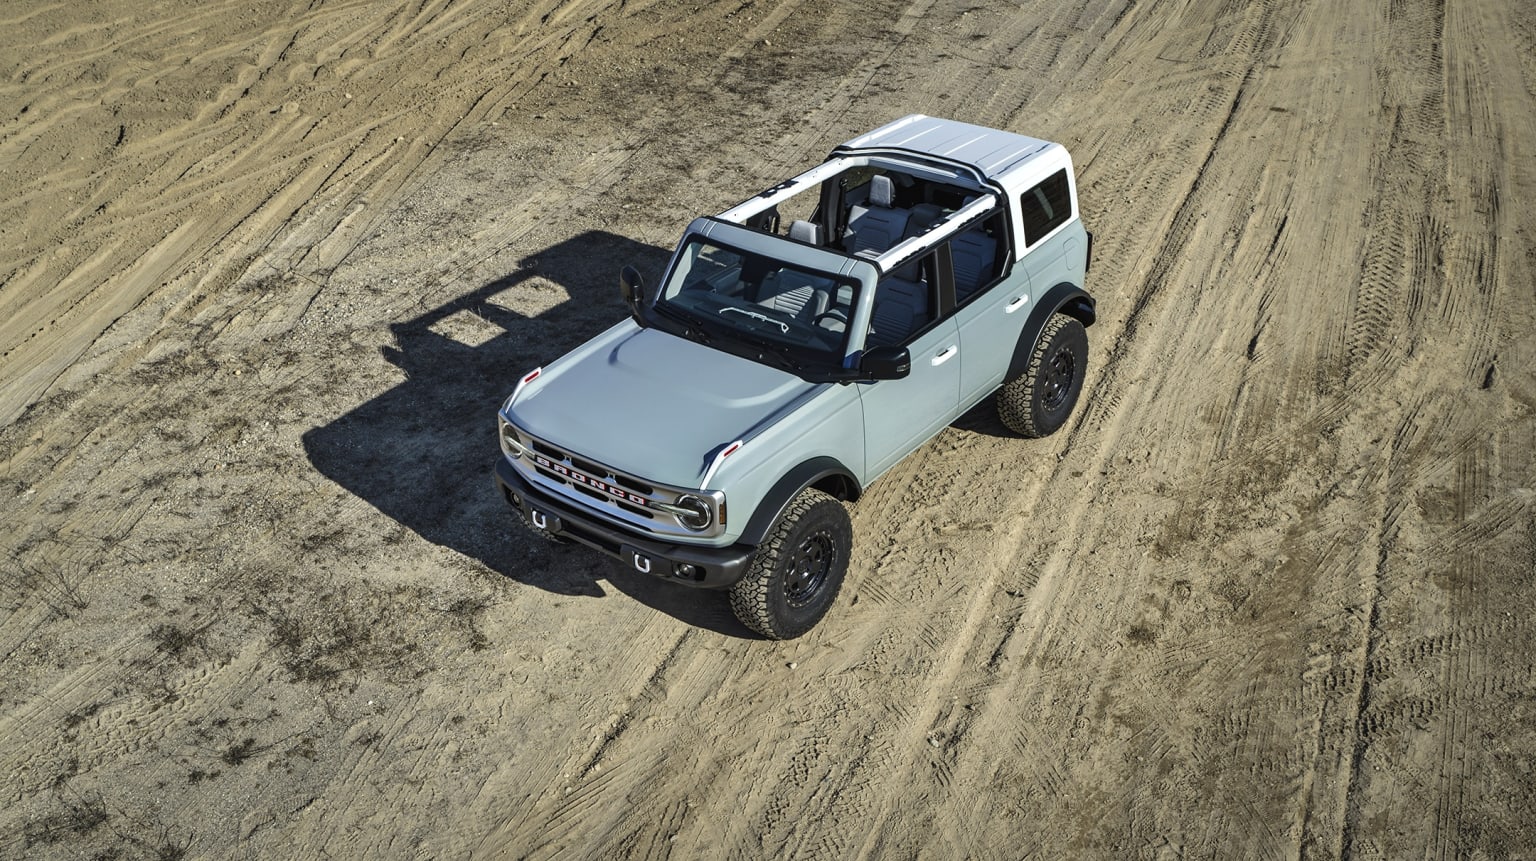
<point>270,266</point>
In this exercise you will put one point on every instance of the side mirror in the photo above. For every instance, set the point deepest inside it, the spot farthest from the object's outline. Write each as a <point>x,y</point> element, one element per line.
<point>632,288</point>
<point>886,363</point>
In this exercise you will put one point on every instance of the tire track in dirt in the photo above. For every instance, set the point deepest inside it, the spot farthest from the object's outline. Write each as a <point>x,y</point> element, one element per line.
<point>279,209</point>
<point>1398,260</point>
<point>1254,399</point>
<point>1470,117</point>
<point>1392,711</point>
<point>1272,245</point>
<point>837,111</point>
<point>63,321</point>
<point>582,817</point>
<point>27,768</point>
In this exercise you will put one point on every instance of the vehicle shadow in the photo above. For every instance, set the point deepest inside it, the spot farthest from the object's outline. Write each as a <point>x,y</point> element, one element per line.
<point>983,419</point>
<point>422,452</point>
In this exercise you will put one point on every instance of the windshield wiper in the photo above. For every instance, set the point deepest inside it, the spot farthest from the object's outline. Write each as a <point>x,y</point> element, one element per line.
<point>765,348</point>
<point>760,317</point>
<point>693,327</point>
<point>746,344</point>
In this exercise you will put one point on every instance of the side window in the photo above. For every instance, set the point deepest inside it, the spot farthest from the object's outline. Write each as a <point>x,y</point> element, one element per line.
<point>1046,207</point>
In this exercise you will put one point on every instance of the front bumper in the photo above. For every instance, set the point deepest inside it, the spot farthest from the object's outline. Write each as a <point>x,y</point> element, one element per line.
<point>704,567</point>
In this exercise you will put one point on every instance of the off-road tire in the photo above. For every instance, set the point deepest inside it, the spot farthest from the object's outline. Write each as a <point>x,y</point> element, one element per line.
<point>1037,402</point>
<point>795,576</point>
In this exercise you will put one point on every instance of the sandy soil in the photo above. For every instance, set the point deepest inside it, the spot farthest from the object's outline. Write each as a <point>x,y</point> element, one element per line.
<point>270,266</point>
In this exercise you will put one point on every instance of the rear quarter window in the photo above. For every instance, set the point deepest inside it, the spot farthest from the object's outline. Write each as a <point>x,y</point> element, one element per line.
<point>1046,207</point>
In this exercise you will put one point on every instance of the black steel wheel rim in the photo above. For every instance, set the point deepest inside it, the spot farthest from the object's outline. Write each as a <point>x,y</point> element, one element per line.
<point>809,567</point>
<point>1058,378</point>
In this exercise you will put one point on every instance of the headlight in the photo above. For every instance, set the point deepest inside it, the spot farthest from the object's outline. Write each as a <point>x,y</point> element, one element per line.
<point>694,512</point>
<point>510,444</point>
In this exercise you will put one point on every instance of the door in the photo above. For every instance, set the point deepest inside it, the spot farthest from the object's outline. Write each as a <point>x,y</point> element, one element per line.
<point>994,302</point>
<point>989,329</point>
<point>900,415</point>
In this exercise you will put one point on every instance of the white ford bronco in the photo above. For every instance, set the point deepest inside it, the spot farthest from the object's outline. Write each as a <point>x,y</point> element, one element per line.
<point>798,346</point>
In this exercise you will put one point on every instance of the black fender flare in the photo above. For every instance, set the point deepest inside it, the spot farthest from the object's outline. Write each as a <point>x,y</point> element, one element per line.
<point>1065,298</point>
<point>778,497</point>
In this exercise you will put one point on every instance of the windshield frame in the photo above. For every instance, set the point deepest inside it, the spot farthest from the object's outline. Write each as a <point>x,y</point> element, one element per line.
<point>745,303</point>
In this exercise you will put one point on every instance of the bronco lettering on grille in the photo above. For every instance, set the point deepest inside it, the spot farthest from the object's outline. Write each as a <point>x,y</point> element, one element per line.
<point>587,480</point>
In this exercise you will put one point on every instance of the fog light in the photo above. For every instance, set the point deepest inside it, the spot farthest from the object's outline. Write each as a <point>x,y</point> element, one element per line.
<point>686,570</point>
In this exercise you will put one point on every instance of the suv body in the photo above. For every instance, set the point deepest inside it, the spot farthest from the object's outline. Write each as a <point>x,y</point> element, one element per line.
<point>782,360</point>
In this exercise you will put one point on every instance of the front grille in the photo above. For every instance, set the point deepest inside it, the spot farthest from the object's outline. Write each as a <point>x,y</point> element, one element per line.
<point>597,495</point>
<point>546,449</point>
<point>620,497</point>
<point>639,487</point>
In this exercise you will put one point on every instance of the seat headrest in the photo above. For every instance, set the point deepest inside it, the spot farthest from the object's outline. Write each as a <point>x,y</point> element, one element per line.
<point>805,231</point>
<point>882,192</point>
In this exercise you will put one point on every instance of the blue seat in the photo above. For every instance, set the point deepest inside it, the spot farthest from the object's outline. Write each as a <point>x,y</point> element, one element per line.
<point>878,226</point>
<point>973,253</point>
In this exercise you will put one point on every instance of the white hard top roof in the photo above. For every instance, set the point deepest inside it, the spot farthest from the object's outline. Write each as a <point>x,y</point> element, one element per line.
<point>991,151</point>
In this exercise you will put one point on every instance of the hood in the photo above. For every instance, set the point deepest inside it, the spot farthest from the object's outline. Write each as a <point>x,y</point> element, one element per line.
<point>652,404</point>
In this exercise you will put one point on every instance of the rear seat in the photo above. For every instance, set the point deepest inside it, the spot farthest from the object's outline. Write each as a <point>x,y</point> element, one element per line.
<point>973,253</point>
<point>901,303</point>
<point>901,307</point>
<point>901,298</point>
<point>924,216</point>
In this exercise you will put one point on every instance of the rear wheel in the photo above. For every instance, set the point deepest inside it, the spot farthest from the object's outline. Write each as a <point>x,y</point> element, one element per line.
<point>1037,402</point>
<point>797,570</point>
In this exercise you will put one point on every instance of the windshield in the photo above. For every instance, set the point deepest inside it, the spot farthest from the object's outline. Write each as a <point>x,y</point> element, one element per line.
<point>799,314</point>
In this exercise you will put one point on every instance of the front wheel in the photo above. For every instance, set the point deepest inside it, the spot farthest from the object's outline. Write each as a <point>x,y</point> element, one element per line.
<point>798,569</point>
<point>1037,402</point>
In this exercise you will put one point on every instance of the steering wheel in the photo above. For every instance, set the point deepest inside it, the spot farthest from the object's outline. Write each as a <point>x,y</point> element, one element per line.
<point>834,314</point>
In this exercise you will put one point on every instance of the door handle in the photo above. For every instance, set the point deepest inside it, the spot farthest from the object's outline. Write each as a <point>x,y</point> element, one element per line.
<point>947,354</point>
<point>1016,304</point>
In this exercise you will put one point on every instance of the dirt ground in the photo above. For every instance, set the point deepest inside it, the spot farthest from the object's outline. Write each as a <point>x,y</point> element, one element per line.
<point>270,266</point>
